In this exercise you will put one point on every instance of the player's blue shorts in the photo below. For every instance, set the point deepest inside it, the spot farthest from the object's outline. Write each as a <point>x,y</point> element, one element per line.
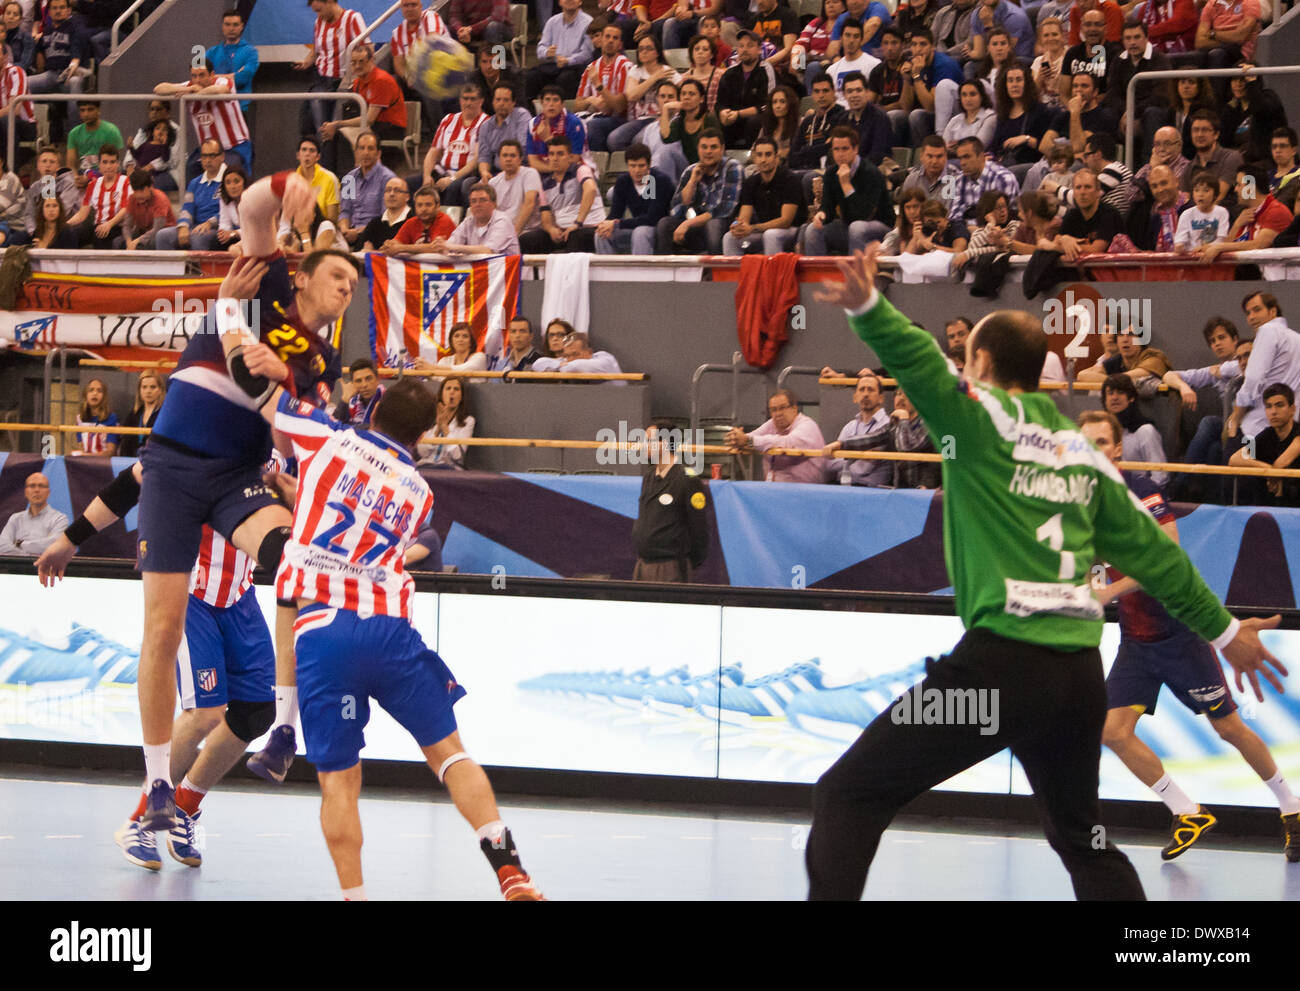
<point>1184,662</point>
<point>181,491</point>
<point>344,661</point>
<point>225,654</point>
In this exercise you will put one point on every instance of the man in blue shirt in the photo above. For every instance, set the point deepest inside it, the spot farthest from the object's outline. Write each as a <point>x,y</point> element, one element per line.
<point>563,52</point>
<point>361,193</point>
<point>234,56</point>
<point>935,81</point>
<point>1002,14</point>
<point>197,229</point>
<point>873,16</point>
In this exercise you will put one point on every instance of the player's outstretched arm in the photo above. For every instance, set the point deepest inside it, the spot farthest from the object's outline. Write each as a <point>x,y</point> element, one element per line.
<point>285,191</point>
<point>1249,657</point>
<point>53,561</point>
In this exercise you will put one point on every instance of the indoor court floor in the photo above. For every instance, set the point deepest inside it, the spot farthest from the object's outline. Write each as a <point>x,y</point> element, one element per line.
<point>264,843</point>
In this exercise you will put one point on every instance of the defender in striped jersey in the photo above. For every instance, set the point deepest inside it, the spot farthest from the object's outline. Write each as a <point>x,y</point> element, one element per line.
<point>1157,650</point>
<point>361,501</point>
<point>226,672</point>
<point>1029,504</point>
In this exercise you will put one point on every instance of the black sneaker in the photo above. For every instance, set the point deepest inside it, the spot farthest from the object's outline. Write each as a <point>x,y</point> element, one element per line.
<point>1186,830</point>
<point>1291,824</point>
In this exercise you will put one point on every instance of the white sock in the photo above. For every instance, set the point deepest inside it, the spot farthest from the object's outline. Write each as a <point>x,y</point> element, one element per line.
<point>286,705</point>
<point>1174,797</point>
<point>157,763</point>
<point>357,894</point>
<point>1286,800</point>
<point>187,783</point>
<point>492,831</point>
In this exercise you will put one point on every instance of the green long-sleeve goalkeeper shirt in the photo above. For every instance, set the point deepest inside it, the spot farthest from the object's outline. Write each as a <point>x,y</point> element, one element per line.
<point>1030,504</point>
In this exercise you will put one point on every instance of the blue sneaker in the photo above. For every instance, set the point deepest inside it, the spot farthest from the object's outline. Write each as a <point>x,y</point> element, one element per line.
<point>841,712</point>
<point>183,841</point>
<point>160,812</point>
<point>272,762</point>
<point>138,846</point>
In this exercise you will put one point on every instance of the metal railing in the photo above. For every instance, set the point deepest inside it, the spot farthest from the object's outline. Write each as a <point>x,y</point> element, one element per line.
<point>182,131</point>
<point>369,30</point>
<point>114,37</point>
<point>1130,97</point>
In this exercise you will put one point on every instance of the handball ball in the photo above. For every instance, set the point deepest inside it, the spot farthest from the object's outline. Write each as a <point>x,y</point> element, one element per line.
<point>439,66</point>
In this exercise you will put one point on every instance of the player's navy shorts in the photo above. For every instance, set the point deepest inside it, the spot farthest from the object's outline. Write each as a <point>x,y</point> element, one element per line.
<point>1184,662</point>
<point>344,661</point>
<point>225,654</point>
<point>181,491</point>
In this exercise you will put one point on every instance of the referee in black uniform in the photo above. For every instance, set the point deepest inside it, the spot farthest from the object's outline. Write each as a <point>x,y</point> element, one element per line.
<point>672,528</point>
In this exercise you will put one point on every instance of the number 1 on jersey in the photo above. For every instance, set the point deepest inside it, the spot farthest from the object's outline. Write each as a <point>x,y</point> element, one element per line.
<point>1054,534</point>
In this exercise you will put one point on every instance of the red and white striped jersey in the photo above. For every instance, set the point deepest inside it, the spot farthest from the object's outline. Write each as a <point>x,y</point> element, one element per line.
<point>332,40</point>
<point>107,197</point>
<point>361,501</point>
<point>223,573</point>
<point>457,140</point>
<point>13,82</point>
<point>610,73</point>
<point>404,36</point>
<point>623,8</point>
<point>220,120</point>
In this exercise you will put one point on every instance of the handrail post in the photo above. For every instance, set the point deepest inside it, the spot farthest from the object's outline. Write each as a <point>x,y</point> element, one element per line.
<point>1130,95</point>
<point>113,37</point>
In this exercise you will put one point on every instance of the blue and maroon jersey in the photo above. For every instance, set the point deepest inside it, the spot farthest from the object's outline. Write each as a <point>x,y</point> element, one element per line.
<point>1140,616</point>
<point>206,412</point>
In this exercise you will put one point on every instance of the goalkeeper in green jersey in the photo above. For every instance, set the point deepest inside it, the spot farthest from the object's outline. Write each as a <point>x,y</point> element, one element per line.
<point>1029,505</point>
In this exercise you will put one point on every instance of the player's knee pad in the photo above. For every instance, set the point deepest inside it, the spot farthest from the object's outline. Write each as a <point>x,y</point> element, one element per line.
<point>122,493</point>
<point>453,759</point>
<point>272,549</point>
<point>249,720</point>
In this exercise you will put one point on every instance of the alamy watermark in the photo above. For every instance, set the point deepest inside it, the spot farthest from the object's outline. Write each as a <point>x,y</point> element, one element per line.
<point>637,446</point>
<point>1082,316</point>
<point>948,707</point>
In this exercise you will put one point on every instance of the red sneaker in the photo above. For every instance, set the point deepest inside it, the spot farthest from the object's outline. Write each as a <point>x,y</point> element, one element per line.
<point>517,886</point>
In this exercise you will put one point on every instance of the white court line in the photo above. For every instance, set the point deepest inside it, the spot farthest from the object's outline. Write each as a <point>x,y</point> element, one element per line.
<point>627,837</point>
<point>6,837</point>
<point>983,842</point>
<point>769,839</point>
<point>683,837</point>
<point>69,836</point>
<point>269,835</point>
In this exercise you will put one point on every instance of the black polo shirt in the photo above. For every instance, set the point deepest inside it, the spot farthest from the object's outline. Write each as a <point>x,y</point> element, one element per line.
<point>767,198</point>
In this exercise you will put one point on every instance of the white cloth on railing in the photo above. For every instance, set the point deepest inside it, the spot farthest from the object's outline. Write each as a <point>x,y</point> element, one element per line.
<point>930,267</point>
<point>566,296</point>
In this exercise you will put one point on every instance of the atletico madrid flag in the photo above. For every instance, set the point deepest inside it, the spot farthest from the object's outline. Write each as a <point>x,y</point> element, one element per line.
<point>414,304</point>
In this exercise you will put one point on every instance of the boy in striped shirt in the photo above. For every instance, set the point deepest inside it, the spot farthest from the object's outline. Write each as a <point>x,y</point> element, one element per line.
<point>103,208</point>
<point>361,502</point>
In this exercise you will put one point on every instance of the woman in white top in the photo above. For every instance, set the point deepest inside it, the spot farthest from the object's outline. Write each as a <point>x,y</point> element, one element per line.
<point>233,184</point>
<point>975,120</point>
<point>643,81</point>
<point>1046,67</point>
<point>464,353</point>
<point>453,420</point>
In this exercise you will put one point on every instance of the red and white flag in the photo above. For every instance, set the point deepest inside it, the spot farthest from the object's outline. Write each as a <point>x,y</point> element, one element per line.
<point>413,304</point>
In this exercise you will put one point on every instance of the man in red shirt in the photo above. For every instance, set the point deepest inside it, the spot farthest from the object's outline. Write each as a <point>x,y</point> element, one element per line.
<point>417,235</point>
<point>148,210</point>
<point>386,115</point>
<point>1261,219</point>
<point>1228,31</point>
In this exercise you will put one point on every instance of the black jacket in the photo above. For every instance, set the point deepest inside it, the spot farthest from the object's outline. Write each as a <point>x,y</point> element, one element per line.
<point>672,521</point>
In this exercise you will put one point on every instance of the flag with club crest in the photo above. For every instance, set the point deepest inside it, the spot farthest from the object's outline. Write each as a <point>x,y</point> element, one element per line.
<point>414,303</point>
